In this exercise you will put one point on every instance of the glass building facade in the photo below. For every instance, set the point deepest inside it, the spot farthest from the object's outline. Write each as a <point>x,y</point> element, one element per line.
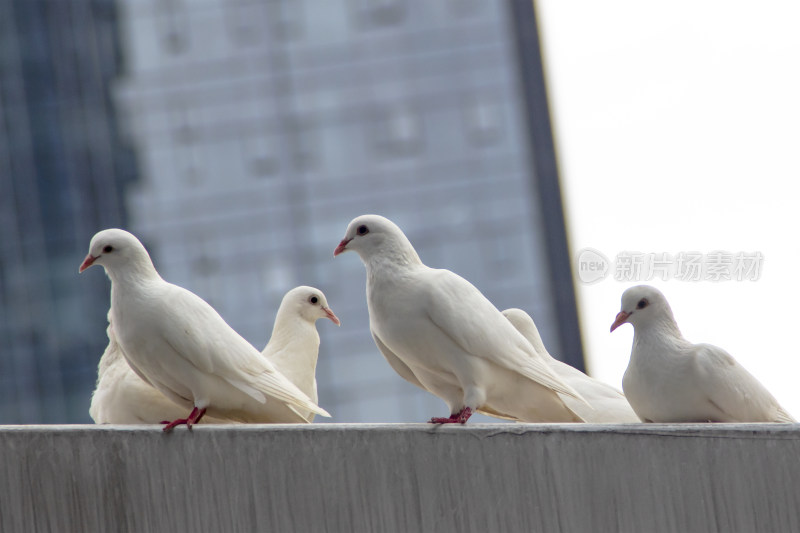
<point>64,165</point>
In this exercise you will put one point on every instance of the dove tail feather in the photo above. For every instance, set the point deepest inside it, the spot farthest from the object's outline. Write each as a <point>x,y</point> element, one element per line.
<point>553,383</point>
<point>284,390</point>
<point>578,417</point>
<point>307,417</point>
<point>784,416</point>
<point>247,389</point>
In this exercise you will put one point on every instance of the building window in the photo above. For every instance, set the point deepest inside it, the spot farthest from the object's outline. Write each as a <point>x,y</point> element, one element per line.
<point>380,13</point>
<point>173,27</point>
<point>244,19</point>
<point>260,158</point>
<point>398,131</point>
<point>483,120</point>
<point>286,19</point>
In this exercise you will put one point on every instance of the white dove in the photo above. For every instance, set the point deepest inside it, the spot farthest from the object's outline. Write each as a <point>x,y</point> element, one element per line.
<point>180,345</point>
<point>440,333</point>
<point>294,345</point>
<point>122,397</point>
<point>669,379</point>
<point>608,405</point>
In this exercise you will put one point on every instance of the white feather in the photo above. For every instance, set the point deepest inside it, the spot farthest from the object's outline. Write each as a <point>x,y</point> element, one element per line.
<point>180,344</point>
<point>669,379</point>
<point>606,404</point>
<point>122,397</point>
<point>440,333</point>
<point>294,344</point>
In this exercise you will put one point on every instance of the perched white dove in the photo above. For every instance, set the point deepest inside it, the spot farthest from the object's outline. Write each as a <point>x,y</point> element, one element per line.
<point>440,333</point>
<point>180,345</point>
<point>122,397</point>
<point>294,345</point>
<point>608,405</point>
<point>669,379</point>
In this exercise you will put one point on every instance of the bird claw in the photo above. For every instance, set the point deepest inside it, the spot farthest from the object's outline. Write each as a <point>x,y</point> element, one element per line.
<point>464,415</point>
<point>460,417</point>
<point>194,418</point>
<point>440,420</point>
<point>171,425</point>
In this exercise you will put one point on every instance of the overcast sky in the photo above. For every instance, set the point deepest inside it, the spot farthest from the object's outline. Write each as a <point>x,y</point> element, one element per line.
<point>678,130</point>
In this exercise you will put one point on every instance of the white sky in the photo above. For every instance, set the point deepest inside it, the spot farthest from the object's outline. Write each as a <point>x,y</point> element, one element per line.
<point>678,129</point>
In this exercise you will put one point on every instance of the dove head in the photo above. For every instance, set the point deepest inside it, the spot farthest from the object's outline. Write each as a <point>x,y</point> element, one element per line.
<point>309,303</point>
<point>118,252</point>
<point>373,236</point>
<point>643,306</point>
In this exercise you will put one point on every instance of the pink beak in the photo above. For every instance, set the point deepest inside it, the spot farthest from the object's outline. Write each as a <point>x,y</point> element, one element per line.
<point>342,247</point>
<point>622,317</point>
<point>333,317</point>
<point>89,261</point>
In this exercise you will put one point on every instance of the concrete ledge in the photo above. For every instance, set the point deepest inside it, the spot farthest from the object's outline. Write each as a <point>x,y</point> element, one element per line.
<point>353,478</point>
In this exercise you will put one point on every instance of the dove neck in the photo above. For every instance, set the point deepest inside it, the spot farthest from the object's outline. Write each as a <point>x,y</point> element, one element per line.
<point>394,254</point>
<point>293,348</point>
<point>134,272</point>
<point>665,327</point>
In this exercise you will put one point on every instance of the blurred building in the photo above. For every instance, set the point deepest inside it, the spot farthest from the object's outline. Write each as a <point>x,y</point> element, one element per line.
<point>63,168</point>
<point>264,126</point>
<point>238,138</point>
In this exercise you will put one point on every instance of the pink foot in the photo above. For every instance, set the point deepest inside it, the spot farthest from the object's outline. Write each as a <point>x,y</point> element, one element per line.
<point>440,420</point>
<point>194,418</point>
<point>170,425</point>
<point>464,415</point>
<point>460,417</point>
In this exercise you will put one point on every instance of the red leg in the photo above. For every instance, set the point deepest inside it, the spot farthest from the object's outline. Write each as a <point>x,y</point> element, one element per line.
<point>460,417</point>
<point>464,415</point>
<point>439,420</point>
<point>198,414</point>
<point>194,417</point>
<point>174,423</point>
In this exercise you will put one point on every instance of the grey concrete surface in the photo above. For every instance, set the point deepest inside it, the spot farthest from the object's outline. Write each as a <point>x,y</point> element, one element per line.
<point>354,478</point>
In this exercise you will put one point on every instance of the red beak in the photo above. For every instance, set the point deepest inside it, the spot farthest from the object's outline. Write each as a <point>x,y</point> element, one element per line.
<point>342,247</point>
<point>333,317</point>
<point>622,317</point>
<point>89,261</point>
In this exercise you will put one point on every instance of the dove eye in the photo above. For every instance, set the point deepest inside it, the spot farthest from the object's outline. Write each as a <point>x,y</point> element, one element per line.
<point>108,249</point>
<point>642,303</point>
<point>362,230</point>
<point>313,299</point>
